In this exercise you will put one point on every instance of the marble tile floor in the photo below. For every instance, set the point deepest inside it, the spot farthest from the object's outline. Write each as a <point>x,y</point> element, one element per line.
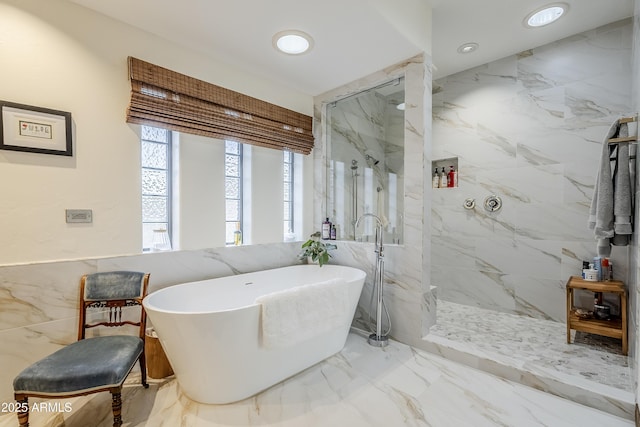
<point>362,386</point>
<point>591,370</point>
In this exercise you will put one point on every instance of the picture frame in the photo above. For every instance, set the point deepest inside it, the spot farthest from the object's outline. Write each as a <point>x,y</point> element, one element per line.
<point>35,129</point>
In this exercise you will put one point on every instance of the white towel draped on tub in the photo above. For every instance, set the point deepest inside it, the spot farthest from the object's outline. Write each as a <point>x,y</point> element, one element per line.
<point>298,314</point>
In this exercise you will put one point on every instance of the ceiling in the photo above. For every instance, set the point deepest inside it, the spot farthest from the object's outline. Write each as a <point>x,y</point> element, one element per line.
<point>353,38</point>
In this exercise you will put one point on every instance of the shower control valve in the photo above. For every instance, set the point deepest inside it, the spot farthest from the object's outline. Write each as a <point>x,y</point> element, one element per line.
<point>492,203</point>
<point>469,203</point>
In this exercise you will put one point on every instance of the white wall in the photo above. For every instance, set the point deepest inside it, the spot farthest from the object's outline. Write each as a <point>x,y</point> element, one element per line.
<point>308,200</point>
<point>200,189</point>
<point>58,55</point>
<point>267,212</point>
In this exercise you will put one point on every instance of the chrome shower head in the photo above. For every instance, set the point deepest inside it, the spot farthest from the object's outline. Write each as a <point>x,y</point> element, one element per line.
<point>371,160</point>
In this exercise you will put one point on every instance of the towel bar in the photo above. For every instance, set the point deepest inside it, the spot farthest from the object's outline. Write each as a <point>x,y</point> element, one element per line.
<point>623,139</point>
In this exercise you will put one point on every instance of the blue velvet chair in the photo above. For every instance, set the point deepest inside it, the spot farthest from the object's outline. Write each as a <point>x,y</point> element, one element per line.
<point>100,363</point>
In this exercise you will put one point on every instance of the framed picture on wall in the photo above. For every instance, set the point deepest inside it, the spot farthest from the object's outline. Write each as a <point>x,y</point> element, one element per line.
<point>35,129</point>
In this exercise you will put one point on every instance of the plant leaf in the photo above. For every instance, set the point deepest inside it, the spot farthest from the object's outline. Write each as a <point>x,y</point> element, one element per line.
<point>324,258</point>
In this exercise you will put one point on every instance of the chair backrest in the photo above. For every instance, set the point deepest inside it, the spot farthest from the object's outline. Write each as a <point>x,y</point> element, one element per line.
<point>112,291</point>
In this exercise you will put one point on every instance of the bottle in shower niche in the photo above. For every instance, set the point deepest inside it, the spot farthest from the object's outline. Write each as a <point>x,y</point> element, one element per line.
<point>326,230</point>
<point>443,179</point>
<point>436,179</point>
<point>452,179</point>
<point>333,232</point>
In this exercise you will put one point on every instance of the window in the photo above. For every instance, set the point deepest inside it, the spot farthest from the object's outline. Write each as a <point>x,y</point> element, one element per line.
<point>156,183</point>
<point>233,192</point>
<point>288,196</point>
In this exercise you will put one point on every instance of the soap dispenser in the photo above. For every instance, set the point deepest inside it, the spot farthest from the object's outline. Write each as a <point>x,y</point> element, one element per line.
<point>443,179</point>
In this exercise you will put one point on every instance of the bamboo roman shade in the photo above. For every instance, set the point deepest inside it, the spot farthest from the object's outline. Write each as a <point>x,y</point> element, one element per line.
<point>167,99</point>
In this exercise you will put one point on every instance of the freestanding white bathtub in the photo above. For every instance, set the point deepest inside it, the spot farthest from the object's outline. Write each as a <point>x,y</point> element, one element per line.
<point>210,331</point>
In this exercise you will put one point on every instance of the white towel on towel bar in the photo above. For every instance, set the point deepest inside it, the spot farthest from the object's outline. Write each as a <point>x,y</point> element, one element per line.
<point>298,314</point>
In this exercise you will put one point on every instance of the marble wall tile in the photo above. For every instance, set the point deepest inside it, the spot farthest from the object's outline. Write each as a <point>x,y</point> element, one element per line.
<point>38,293</point>
<point>475,288</point>
<point>578,182</point>
<point>170,268</point>
<point>538,297</point>
<point>25,345</point>
<point>400,289</point>
<point>529,257</point>
<point>528,128</point>
<point>453,251</point>
<point>457,222</point>
<point>553,221</point>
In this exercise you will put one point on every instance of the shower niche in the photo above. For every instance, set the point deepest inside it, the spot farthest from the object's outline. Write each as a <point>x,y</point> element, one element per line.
<point>440,166</point>
<point>365,163</point>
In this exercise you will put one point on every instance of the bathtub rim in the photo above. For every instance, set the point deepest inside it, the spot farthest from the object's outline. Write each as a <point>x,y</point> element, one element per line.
<point>361,275</point>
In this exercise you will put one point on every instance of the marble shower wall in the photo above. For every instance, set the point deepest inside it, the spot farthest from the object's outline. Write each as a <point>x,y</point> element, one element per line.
<point>408,294</point>
<point>529,129</point>
<point>39,302</point>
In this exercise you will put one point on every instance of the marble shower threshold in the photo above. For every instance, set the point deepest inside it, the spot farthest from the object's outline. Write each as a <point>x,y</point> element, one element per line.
<point>591,370</point>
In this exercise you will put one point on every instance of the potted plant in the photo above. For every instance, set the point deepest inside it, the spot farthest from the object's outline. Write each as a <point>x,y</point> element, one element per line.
<point>315,250</point>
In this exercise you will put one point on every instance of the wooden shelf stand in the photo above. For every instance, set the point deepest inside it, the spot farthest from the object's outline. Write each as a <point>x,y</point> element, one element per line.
<point>615,328</point>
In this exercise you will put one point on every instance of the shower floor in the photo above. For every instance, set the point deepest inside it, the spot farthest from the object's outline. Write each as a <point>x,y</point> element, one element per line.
<point>591,370</point>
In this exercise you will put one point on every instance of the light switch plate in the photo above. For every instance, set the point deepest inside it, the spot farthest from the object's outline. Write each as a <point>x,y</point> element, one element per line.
<point>79,215</point>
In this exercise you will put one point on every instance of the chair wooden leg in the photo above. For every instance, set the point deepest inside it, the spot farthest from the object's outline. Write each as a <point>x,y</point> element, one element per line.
<point>23,410</point>
<point>116,405</point>
<point>143,370</point>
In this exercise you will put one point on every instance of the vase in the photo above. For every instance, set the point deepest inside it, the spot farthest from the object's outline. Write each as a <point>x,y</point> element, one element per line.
<point>161,241</point>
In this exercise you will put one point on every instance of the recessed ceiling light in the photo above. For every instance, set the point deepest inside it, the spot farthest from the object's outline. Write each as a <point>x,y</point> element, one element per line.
<point>545,15</point>
<point>468,47</point>
<point>292,42</point>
